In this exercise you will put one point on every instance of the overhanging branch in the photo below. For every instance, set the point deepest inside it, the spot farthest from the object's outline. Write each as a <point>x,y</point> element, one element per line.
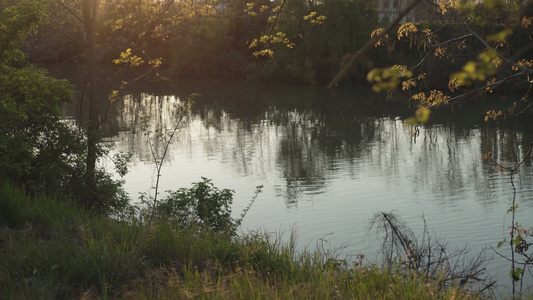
<point>369,44</point>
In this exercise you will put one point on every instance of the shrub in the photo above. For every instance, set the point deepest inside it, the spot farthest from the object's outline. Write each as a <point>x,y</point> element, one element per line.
<point>201,205</point>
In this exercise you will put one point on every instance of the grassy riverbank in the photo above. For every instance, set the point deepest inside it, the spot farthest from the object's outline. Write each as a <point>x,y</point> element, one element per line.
<point>53,250</point>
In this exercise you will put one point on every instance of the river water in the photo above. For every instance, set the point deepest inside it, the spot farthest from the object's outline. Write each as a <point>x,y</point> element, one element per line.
<point>329,160</point>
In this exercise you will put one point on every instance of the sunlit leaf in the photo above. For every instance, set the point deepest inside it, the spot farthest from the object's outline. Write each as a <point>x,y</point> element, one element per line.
<point>421,116</point>
<point>406,29</point>
<point>500,36</point>
<point>377,32</point>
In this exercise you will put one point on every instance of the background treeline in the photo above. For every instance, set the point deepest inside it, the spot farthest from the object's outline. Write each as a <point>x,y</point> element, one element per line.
<point>213,38</point>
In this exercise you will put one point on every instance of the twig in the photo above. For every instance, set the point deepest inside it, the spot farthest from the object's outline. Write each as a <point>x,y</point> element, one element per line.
<point>158,161</point>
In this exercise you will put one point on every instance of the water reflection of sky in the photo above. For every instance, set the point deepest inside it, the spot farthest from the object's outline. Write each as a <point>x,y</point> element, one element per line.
<point>327,168</point>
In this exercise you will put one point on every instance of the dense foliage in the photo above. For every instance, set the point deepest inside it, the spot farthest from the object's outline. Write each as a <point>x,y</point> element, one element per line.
<point>38,148</point>
<point>30,110</point>
<point>320,36</point>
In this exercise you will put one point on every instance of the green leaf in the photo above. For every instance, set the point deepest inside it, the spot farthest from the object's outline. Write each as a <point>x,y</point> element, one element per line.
<point>512,208</point>
<point>516,273</point>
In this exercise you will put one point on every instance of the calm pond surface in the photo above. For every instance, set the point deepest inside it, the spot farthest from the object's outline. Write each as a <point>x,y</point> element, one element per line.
<point>329,161</point>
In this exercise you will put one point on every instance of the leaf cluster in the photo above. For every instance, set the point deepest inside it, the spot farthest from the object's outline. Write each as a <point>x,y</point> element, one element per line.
<point>318,38</point>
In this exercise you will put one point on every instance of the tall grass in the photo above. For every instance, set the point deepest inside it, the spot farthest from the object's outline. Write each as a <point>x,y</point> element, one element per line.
<point>53,250</point>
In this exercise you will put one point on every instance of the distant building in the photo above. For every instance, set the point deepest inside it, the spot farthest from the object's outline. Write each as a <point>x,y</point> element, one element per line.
<point>389,9</point>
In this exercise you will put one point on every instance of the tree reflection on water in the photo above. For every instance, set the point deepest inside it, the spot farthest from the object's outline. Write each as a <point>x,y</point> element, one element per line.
<point>310,134</point>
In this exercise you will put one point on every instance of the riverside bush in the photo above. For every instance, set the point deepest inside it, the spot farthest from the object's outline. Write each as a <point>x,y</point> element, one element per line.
<point>201,205</point>
<point>39,150</point>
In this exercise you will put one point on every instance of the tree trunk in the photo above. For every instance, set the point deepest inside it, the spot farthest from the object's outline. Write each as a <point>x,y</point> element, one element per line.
<point>89,8</point>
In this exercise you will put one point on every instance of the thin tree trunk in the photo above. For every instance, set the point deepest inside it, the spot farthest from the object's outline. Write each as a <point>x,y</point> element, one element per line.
<point>89,15</point>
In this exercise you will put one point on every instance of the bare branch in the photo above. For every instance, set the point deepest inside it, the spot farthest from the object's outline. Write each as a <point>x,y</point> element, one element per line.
<point>427,255</point>
<point>486,44</point>
<point>64,33</point>
<point>441,44</point>
<point>475,91</point>
<point>70,11</point>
